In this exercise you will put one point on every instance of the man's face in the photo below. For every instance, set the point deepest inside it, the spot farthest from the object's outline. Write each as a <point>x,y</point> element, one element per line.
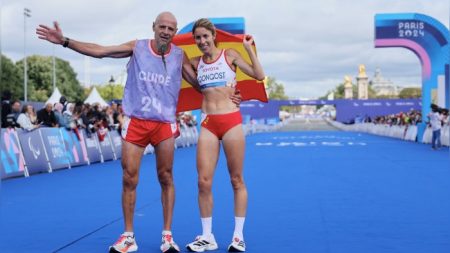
<point>165,27</point>
<point>15,107</point>
<point>48,107</point>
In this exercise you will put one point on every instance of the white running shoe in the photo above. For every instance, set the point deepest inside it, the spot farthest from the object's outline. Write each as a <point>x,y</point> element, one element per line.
<point>124,244</point>
<point>202,244</point>
<point>237,245</point>
<point>168,245</point>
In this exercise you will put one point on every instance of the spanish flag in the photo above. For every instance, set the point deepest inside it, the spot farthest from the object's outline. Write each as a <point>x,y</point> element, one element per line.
<point>190,99</point>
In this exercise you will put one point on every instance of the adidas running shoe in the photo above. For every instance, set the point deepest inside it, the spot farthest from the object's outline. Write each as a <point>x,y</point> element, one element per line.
<point>202,244</point>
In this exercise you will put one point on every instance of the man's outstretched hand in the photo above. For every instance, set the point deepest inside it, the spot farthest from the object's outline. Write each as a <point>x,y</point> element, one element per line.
<point>236,97</point>
<point>54,35</point>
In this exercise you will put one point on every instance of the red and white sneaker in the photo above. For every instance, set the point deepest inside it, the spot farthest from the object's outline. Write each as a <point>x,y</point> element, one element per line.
<point>124,244</point>
<point>237,245</point>
<point>168,245</point>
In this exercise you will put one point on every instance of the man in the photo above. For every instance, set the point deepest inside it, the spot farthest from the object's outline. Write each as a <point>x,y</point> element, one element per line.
<point>436,125</point>
<point>11,118</point>
<point>149,103</point>
<point>46,116</point>
<point>6,107</point>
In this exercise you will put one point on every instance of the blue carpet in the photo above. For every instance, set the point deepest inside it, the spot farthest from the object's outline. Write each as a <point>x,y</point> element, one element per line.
<point>308,192</point>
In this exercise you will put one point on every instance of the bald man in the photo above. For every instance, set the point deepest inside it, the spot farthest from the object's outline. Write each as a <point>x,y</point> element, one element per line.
<point>150,98</point>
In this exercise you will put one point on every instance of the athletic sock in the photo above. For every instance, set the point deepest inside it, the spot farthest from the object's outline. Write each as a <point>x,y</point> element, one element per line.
<point>127,233</point>
<point>167,232</point>
<point>206,226</point>
<point>239,227</point>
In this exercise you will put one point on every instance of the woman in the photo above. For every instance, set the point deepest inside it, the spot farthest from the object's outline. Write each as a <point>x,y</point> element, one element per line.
<point>27,119</point>
<point>221,121</point>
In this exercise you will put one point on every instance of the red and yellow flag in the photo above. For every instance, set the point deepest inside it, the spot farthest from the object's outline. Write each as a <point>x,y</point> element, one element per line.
<point>190,99</point>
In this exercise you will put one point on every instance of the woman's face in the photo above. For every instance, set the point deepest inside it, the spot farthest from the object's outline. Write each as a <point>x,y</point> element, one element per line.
<point>29,109</point>
<point>204,39</point>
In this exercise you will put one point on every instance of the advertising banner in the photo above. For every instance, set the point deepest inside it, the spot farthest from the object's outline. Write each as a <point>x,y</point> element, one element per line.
<point>33,151</point>
<point>92,147</point>
<point>55,148</point>
<point>12,161</point>
<point>106,148</point>
<point>75,151</point>
<point>116,140</point>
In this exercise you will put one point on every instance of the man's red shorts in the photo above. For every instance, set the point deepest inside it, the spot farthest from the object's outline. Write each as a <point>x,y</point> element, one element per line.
<point>143,132</point>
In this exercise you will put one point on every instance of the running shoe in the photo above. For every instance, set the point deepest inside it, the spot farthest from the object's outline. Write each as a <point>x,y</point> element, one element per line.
<point>124,244</point>
<point>168,245</point>
<point>237,245</point>
<point>202,244</point>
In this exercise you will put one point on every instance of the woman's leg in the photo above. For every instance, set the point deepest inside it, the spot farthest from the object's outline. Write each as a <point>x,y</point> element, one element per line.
<point>208,147</point>
<point>234,147</point>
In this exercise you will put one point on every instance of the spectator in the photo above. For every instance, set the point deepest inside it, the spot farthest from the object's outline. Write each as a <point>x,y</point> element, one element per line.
<point>27,119</point>
<point>64,103</point>
<point>6,106</point>
<point>59,115</point>
<point>47,117</point>
<point>11,118</point>
<point>436,125</point>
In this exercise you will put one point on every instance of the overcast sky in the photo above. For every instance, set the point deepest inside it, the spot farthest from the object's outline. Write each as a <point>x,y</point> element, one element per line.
<point>309,46</point>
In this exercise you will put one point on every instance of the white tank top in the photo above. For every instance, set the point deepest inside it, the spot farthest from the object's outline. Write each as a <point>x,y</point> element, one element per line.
<point>217,73</point>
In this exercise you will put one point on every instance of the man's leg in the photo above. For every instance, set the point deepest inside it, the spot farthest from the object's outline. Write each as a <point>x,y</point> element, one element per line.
<point>164,163</point>
<point>131,162</point>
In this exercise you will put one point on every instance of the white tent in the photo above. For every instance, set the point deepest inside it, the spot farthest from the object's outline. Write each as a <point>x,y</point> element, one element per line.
<point>95,97</point>
<point>54,98</point>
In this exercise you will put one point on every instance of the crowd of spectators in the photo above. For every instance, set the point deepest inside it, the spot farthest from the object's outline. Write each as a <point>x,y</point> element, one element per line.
<point>413,117</point>
<point>72,116</point>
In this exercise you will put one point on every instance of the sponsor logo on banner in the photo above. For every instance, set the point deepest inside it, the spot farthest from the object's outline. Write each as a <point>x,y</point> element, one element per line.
<point>411,29</point>
<point>34,150</point>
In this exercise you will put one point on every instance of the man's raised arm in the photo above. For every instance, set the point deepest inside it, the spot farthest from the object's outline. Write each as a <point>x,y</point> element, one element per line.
<point>55,35</point>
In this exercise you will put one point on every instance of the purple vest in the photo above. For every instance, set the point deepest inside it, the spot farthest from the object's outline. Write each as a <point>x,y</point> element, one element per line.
<point>151,92</point>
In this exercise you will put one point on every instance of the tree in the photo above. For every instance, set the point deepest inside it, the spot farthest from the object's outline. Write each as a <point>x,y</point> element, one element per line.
<point>410,93</point>
<point>40,78</point>
<point>110,91</point>
<point>10,78</point>
<point>339,92</point>
<point>274,89</point>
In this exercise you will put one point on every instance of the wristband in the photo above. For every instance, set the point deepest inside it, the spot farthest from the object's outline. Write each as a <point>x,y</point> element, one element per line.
<point>66,42</point>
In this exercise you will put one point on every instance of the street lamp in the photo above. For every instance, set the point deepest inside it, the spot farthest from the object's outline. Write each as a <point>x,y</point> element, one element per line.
<point>111,83</point>
<point>26,14</point>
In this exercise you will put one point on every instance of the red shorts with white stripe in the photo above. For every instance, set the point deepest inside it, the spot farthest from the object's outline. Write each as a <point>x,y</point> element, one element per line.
<point>143,132</point>
<point>219,124</point>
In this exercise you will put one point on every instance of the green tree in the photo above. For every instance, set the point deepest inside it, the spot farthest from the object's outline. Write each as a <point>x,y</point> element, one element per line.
<point>275,89</point>
<point>410,93</point>
<point>40,78</point>
<point>10,78</point>
<point>110,91</point>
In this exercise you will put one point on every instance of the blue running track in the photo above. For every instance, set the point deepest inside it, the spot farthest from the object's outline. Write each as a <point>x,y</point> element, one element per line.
<point>324,192</point>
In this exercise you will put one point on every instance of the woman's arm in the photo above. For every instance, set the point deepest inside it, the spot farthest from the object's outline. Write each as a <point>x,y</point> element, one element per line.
<point>254,70</point>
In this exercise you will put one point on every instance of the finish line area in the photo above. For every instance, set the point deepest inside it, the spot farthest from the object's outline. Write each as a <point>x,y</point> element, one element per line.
<point>318,191</point>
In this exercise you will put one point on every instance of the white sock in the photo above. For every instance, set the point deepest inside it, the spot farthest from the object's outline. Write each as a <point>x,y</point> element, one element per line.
<point>207,226</point>
<point>239,227</point>
<point>166,232</point>
<point>127,233</point>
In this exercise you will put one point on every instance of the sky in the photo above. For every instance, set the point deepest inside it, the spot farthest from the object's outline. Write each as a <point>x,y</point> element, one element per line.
<point>308,46</point>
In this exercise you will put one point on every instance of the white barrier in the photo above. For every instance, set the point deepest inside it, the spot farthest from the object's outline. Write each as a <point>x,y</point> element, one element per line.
<point>427,136</point>
<point>400,132</point>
